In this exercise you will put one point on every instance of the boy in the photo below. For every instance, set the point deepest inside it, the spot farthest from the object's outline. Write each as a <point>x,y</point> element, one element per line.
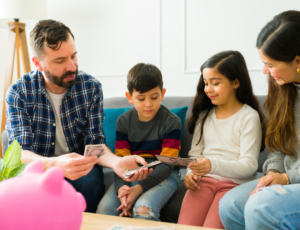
<point>147,130</point>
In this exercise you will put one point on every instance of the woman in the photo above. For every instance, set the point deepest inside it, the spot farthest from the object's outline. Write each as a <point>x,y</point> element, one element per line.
<point>273,202</point>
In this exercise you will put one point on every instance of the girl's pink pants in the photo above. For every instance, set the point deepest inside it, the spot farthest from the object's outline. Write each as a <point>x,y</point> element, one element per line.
<point>201,207</point>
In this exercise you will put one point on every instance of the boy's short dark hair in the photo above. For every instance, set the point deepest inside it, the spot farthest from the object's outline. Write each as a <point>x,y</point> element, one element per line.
<point>144,77</point>
<point>50,31</point>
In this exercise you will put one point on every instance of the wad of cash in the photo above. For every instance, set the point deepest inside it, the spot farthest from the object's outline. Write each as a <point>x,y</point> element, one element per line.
<point>130,172</point>
<point>161,159</point>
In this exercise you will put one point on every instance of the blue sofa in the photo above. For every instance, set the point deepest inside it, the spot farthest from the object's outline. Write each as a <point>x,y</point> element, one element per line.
<point>171,210</point>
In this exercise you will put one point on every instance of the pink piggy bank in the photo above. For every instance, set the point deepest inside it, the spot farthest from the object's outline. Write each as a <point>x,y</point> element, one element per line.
<point>40,200</point>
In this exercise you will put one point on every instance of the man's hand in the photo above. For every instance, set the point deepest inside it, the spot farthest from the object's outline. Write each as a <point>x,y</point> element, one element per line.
<point>132,195</point>
<point>190,181</point>
<point>201,167</point>
<point>270,179</point>
<point>130,162</point>
<point>75,165</point>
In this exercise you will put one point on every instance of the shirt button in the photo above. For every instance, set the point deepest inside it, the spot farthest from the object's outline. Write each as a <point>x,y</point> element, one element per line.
<point>54,124</point>
<point>52,143</point>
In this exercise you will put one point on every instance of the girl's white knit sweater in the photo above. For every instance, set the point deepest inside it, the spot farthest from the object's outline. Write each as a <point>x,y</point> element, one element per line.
<point>232,145</point>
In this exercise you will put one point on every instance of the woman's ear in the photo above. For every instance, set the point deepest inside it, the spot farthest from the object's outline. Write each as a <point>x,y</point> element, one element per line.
<point>236,83</point>
<point>297,59</point>
<point>129,98</point>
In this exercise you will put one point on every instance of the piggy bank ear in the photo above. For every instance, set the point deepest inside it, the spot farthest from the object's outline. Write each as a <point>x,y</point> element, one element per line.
<point>52,180</point>
<point>34,167</point>
<point>82,201</point>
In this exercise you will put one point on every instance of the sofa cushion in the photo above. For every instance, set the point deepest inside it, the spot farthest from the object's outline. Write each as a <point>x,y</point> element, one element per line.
<point>109,125</point>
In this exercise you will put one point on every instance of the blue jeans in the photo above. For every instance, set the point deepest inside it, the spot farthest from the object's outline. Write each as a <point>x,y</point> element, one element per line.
<point>154,199</point>
<point>275,207</point>
<point>91,187</point>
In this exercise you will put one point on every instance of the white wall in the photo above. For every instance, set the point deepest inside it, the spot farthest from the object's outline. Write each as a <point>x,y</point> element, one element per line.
<point>176,35</point>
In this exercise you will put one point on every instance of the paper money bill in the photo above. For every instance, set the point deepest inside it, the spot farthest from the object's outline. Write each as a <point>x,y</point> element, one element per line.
<point>94,150</point>
<point>130,172</point>
<point>175,160</point>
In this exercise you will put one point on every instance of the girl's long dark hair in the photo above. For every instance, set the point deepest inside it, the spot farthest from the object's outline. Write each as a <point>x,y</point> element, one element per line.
<point>280,40</point>
<point>232,65</point>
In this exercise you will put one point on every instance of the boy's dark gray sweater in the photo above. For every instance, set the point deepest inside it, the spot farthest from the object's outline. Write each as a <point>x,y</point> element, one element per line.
<point>153,132</point>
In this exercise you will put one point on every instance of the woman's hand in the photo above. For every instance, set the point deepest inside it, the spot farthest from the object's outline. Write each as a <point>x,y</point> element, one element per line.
<point>270,179</point>
<point>191,182</point>
<point>201,167</point>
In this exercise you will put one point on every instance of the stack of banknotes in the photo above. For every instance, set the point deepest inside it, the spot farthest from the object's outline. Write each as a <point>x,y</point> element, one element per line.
<point>161,159</point>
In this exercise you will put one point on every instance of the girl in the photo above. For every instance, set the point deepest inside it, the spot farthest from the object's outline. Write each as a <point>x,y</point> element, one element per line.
<point>226,123</point>
<point>278,206</point>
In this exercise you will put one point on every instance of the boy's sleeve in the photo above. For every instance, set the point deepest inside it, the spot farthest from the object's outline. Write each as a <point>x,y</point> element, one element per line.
<point>122,148</point>
<point>170,147</point>
<point>171,139</point>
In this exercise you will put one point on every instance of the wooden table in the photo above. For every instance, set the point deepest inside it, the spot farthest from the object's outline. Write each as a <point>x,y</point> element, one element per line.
<point>93,221</point>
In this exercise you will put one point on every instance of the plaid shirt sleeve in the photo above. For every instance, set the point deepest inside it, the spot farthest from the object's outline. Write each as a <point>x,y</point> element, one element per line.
<point>93,133</point>
<point>18,120</point>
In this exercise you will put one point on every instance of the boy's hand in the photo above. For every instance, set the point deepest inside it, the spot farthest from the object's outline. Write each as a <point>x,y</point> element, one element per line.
<point>201,168</point>
<point>190,182</point>
<point>132,196</point>
<point>130,162</point>
<point>124,190</point>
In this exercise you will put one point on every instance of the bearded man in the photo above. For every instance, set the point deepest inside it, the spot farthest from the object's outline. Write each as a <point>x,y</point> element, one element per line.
<point>56,110</point>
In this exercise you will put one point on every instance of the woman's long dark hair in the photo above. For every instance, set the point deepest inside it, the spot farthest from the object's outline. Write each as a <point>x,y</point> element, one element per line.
<point>280,40</point>
<point>232,65</point>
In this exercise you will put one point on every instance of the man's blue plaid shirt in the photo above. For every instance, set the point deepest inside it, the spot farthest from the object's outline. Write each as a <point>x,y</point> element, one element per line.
<point>31,119</point>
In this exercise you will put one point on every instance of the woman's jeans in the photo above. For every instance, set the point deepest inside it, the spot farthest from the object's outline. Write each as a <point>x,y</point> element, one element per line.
<point>91,187</point>
<point>154,199</point>
<point>275,207</point>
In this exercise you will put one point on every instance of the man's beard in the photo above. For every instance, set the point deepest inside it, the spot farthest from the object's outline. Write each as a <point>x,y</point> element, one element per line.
<point>60,80</point>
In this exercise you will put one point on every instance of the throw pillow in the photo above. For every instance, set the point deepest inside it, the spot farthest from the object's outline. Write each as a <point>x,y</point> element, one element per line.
<point>109,125</point>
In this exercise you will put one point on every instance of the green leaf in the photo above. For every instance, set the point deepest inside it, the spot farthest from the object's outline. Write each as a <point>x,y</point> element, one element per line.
<point>12,158</point>
<point>6,172</point>
<point>17,171</point>
<point>1,177</point>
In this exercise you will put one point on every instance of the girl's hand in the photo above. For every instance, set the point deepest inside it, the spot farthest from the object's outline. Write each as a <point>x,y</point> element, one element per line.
<point>190,182</point>
<point>201,168</point>
<point>270,179</point>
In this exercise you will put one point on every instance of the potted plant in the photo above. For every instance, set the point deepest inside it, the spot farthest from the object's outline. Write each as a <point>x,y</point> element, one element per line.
<point>10,165</point>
